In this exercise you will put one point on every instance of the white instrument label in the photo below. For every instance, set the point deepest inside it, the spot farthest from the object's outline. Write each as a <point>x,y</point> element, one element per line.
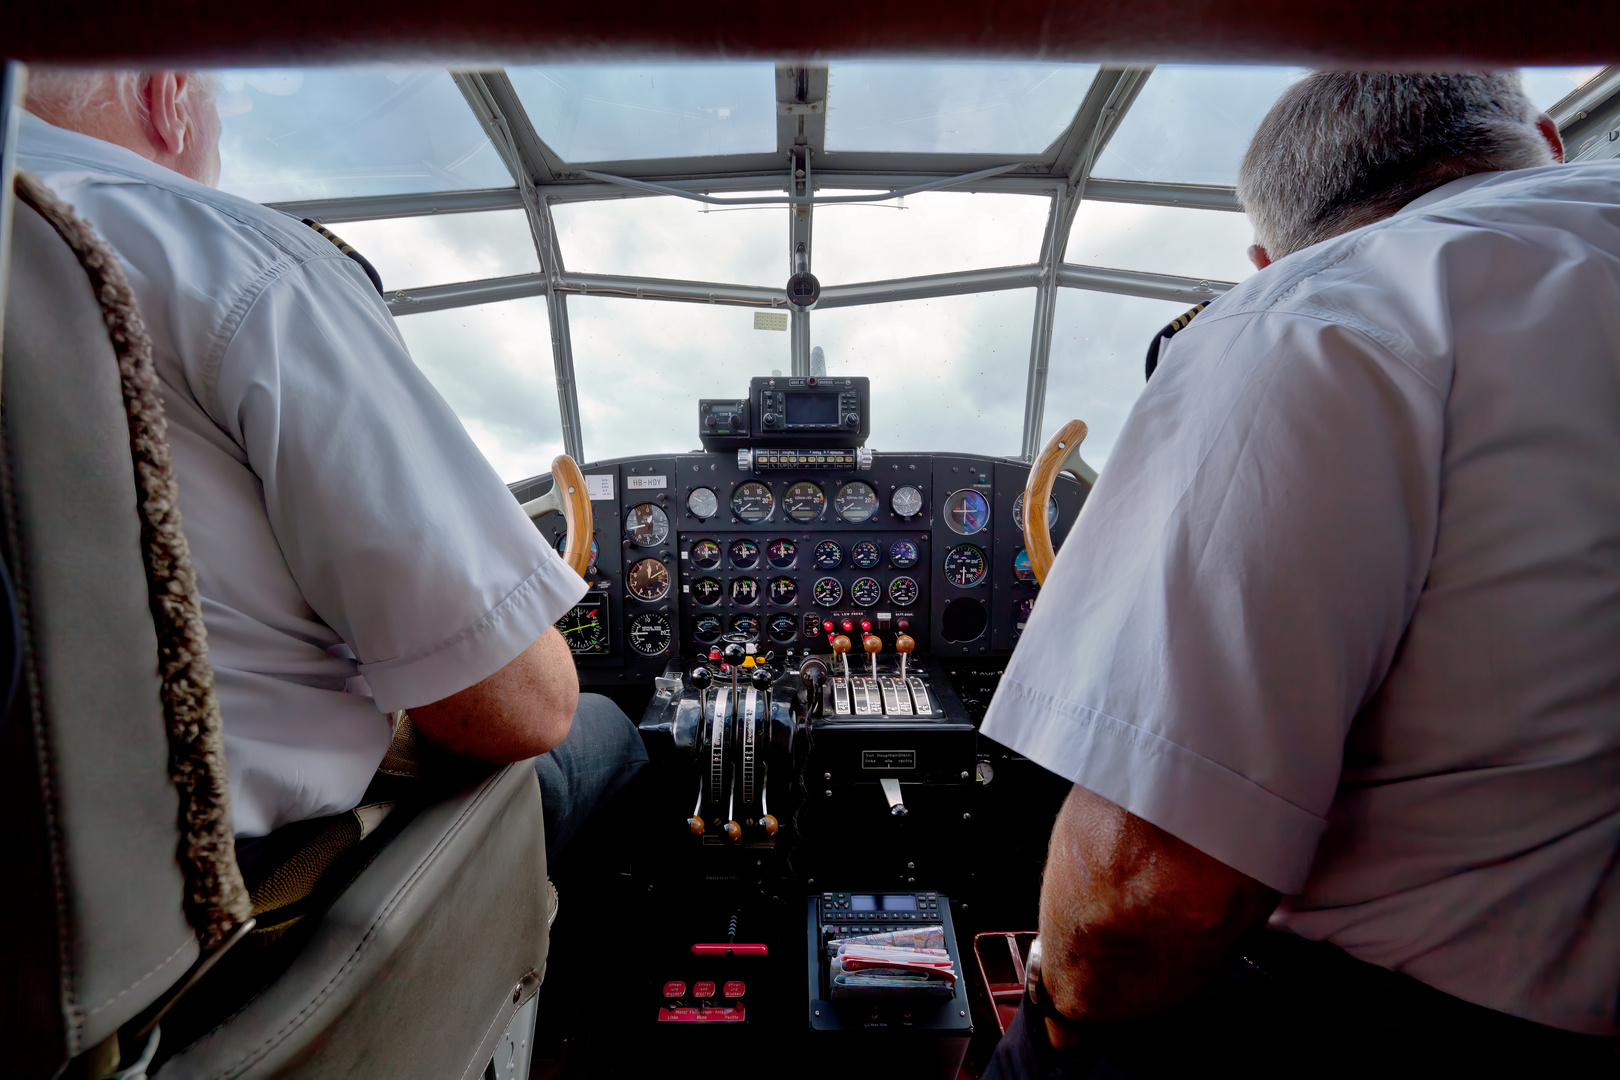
<point>644,483</point>
<point>599,486</point>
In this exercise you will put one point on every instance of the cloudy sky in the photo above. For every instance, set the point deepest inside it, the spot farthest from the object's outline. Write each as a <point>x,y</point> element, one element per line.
<point>947,374</point>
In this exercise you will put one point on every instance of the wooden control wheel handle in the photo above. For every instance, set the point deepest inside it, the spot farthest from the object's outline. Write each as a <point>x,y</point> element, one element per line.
<point>733,831</point>
<point>568,498</point>
<point>1061,454</point>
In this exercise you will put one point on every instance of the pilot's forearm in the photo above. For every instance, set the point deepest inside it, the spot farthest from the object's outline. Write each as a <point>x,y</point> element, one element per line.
<point>1134,920</point>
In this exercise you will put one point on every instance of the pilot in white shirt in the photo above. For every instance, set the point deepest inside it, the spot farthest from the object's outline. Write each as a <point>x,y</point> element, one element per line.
<point>355,553</point>
<point>1340,624</point>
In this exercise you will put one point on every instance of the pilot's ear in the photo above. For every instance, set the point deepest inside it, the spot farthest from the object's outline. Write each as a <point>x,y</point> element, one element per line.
<point>1258,256</point>
<point>168,126</point>
<point>1549,131</point>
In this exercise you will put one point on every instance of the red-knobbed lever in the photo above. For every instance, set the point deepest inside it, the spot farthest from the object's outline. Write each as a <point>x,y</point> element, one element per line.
<point>729,949</point>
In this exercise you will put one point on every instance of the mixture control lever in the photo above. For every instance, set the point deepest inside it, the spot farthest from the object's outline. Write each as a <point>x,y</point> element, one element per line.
<point>841,647</point>
<point>903,645</point>
<point>873,645</point>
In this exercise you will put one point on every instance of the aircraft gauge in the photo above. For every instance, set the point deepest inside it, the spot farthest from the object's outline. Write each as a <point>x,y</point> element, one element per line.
<point>903,555</point>
<point>650,634</point>
<point>856,502</point>
<point>752,501</point>
<point>744,552</point>
<point>744,590</point>
<point>1051,512</point>
<point>782,628</point>
<point>784,590</point>
<point>708,628</point>
<point>829,555</point>
<point>648,580</point>
<point>782,553</point>
<point>964,566</point>
<point>966,512</point>
<point>804,502</point>
<point>865,555</point>
<point>866,592</point>
<point>707,590</point>
<point>562,549</point>
<point>828,592</point>
<point>906,502</point>
<point>903,591</point>
<point>705,554</point>
<point>584,627</point>
<point>703,503</point>
<point>647,525</point>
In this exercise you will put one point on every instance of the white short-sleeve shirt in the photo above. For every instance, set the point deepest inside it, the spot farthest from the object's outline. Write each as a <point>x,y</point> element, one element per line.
<point>354,551</point>
<point>1344,609</point>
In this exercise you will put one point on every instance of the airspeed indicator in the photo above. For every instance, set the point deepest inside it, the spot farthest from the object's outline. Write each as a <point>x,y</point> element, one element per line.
<point>964,566</point>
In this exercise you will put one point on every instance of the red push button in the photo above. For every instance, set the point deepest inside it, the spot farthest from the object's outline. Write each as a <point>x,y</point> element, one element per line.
<point>703,989</point>
<point>736,988</point>
<point>674,989</point>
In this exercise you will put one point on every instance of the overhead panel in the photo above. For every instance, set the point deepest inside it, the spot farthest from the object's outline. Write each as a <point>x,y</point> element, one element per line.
<point>324,133</point>
<point>638,112</point>
<point>1192,124</point>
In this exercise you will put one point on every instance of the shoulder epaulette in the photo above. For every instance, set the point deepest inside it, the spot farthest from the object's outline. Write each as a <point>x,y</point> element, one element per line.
<point>1176,325</point>
<point>364,263</point>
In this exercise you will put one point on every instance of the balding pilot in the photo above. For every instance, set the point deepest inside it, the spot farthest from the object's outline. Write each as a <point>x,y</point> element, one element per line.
<point>1332,655</point>
<point>355,553</point>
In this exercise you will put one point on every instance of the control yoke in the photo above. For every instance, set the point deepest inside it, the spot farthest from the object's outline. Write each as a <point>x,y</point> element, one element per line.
<point>568,498</point>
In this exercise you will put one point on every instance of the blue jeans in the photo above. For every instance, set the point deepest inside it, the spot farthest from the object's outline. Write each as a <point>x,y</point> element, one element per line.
<point>586,771</point>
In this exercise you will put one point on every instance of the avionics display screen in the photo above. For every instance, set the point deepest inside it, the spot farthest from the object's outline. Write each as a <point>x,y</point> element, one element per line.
<point>900,903</point>
<point>802,409</point>
<point>859,902</point>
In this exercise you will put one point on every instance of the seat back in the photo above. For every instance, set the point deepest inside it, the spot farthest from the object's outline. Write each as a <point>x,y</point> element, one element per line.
<point>90,884</point>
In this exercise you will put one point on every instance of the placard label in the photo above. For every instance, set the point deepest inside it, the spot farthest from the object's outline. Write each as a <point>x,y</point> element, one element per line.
<point>888,759</point>
<point>599,486</point>
<point>642,483</point>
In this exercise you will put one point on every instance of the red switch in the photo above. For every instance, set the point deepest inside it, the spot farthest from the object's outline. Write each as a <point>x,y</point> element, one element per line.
<point>735,988</point>
<point>674,989</point>
<point>703,989</point>
<point>903,624</point>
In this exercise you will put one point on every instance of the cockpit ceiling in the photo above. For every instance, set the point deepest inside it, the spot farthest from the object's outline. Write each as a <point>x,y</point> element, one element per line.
<point>1393,32</point>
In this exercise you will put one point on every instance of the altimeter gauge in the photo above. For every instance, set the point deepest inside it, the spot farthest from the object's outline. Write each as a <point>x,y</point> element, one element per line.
<point>752,501</point>
<point>650,634</point>
<point>856,502</point>
<point>703,503</point>
<point>584,627</point>
<point>648,580</point>
<point>906,502</point>
<point>647,525</point>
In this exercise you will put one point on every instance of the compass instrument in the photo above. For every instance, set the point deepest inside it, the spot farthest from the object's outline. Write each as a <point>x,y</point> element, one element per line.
<point>828,592</point>
<point>782,553</point>
<point>584,627</point>
<point>752,501</point>
<point>965,566</point>
<point>744,553</point>
<point>705,554</point>
<point>648,580</point>
<point>829,555</point>
<point>966,512</point>
<point>650,633</point>
<point>647,525</point>
<point>906,502</point>
<point>703,503</point>
<point>804,502</point>
<point>856,502</point>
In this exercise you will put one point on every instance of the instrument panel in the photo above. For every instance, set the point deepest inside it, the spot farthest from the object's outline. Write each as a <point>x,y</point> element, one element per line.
<point>694,550</point>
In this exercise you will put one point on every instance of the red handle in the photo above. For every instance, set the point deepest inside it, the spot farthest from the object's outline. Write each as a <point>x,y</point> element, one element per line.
<point>723,949</point>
